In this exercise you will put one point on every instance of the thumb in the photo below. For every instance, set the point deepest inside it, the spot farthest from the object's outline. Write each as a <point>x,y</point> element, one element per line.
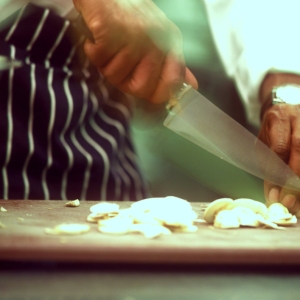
<point>191,79</point>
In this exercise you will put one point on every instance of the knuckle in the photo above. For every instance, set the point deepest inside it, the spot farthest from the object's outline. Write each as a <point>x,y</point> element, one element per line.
<point>282,150</point>
<point>137,88</point>
<point>274,114</point>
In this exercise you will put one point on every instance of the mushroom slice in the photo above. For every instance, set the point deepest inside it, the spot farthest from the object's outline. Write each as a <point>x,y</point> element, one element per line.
<point>190,228</point>
<point>165,203</point>
<point>73,203</point>
<point>256,206</point>
<point>246,216</point>
<point>70,229</point>
<point>226,219</point>
<point>150,231</point>
<point>278,212</point>
<point>104,208</point>
<point>141,217</point>
<point>95,217</point>
<point>116,225</point>
<point>102,211</point>
<point>214,208</point>
<point>268,224</point>
<point>278,208</point>
<point>92,218</point>
<point>176,218</point>
<point>168,204</point>
<point>287,222</point>
<point>169,210</point>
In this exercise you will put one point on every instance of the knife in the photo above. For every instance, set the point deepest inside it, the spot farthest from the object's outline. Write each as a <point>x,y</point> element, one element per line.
<point>198,120</point>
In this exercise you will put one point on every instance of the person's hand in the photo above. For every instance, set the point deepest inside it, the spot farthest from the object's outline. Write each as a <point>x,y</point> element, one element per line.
<point>136,47</point>
<point>280,130</point>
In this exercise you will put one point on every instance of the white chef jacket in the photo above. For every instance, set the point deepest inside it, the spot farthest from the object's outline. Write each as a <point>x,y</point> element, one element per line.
<point>254,37</point>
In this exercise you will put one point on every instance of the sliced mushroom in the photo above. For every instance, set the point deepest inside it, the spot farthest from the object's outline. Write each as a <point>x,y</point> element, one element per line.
<point>226,219</point>
<point>162,203</point>
<point>278,212</point>
<point>102,211</point>
<point>256,206</point>
<point>73,203</point>
<point>170,210</point>
<point>268,224</point>
<point>95,217</point>
<point>69,229</point>
<point>246,216</point>
<point>150,231</point>
<point>187,229</point>
<point>286,222</point>
<point>214,208</point>
<point>141,217</point>
<point>176,218</point>
<point>116,225</point>
<point>104,208</point>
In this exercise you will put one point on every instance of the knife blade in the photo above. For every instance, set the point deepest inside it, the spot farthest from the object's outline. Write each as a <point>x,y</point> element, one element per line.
<point>201,122</point>
<point>198,120</point>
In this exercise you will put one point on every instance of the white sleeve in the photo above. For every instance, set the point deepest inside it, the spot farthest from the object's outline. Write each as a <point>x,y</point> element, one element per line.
<point>254,37</point>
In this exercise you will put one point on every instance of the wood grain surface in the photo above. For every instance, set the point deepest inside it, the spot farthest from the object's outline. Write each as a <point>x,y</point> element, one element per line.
<point>24,238</point>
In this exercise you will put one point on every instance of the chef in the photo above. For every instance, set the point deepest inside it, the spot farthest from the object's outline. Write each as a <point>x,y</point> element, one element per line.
<point>65,133</point>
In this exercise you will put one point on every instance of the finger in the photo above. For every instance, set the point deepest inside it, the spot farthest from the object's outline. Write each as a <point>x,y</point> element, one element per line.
<point>191,79</point>
<point>171,78</point>
<point>271,193</point>
<point>297,214</point>
<point>291,198</point>
<point>120,66</point>
<point>294,160</point>
<point>279,133</point>
<point>295,208</point>
<point>273,136</point>
<point>100,54</point>
<point>144,78</point>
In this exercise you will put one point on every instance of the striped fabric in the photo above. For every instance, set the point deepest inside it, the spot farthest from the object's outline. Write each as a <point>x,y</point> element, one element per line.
<point>62,136</point>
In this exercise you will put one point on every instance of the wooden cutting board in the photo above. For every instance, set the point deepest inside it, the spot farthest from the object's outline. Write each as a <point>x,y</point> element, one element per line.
<point>24,238</point>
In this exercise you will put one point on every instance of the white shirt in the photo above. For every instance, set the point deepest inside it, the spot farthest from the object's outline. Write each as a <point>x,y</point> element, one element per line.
<point>61,7</point>
<point>254,37</point>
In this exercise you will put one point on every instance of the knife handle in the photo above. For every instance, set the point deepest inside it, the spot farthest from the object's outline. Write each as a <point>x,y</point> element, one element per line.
<point>174,99</point>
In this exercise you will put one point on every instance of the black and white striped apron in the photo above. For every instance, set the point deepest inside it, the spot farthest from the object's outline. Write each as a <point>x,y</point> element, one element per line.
<point>62,136</point>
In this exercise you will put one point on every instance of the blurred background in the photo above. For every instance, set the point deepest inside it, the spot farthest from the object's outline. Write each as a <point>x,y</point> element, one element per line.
<point>173,165</point>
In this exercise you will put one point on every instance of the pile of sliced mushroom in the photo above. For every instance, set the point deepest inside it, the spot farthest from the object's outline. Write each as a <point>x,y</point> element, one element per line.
<point>228,213</point>
<point>154,217</point>
<point>151,217</point>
